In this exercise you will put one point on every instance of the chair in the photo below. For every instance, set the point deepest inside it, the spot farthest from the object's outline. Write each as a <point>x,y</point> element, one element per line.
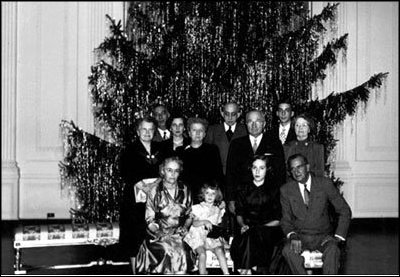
<point>312,260</point>
<point>212,260</point>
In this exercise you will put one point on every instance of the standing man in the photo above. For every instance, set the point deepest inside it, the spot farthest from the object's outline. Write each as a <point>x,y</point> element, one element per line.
<point>285,129</point>
<point>243,149</point>
<point>305,217</point>
<point>161,114</point>
<point>222,134</point>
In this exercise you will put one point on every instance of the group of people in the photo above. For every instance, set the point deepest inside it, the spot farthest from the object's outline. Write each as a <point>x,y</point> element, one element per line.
<point>188,184</point>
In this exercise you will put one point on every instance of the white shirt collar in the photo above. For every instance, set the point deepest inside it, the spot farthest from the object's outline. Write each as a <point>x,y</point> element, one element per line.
<point>162,132</point>
<point>258,139</point>
<point>286,128</point>
<point>226,126</point>
<point>308,185</point>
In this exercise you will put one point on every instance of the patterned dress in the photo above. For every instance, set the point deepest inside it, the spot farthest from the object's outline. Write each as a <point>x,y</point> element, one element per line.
<point>164,252</point>
<point>197,236</point>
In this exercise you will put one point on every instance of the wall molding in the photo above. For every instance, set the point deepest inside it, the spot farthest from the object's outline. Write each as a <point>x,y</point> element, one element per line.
<point>9,167</point>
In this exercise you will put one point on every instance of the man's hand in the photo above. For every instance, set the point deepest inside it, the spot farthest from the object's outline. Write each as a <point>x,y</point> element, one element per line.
<point>332,239</point>
<point>244,228</point>
<point>231,207</point>
<point>295,244</point>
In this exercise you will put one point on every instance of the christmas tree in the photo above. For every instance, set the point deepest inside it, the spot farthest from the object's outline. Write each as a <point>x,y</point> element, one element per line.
<point>193,57</point>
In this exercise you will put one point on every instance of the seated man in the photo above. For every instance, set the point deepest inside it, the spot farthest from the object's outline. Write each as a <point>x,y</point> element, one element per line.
<point>305,217</point>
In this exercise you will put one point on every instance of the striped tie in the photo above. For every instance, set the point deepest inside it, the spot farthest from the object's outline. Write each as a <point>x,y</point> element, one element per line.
<point>255,146</point>
<point>306,195</point>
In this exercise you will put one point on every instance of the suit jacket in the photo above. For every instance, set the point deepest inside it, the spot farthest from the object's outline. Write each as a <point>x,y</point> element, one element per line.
<point>157,136</point>
<point>291,134</point>
<point>314,152</point>
<point>240,155</point>
<point>216,135</point>
<point>296,217</point>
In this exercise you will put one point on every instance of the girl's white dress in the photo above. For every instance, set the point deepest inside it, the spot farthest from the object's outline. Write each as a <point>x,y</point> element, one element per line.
<point>197,236</point>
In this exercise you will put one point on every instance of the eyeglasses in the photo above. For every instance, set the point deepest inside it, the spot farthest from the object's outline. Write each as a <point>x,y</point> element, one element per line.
<point>227,114</point>
<point>296,168</point>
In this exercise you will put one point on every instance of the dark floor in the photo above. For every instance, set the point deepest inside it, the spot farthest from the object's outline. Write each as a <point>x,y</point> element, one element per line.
<point>372,249</point>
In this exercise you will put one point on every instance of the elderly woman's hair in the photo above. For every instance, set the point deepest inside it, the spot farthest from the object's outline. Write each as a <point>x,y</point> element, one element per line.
<point>148,119</point>
<point>168,160</point>
<point>193,120</point>
<point>309,120</point>
<point>213,185</point>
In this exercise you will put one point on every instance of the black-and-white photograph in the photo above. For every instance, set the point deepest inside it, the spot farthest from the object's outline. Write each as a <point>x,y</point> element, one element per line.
<point>200,137</point>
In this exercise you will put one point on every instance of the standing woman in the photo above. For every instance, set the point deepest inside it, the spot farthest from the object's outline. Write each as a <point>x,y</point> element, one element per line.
<point>201,160</point>
<point>175,145</point>
<point>258,212</point>
<point>305,145</point>
<point>139,160</point>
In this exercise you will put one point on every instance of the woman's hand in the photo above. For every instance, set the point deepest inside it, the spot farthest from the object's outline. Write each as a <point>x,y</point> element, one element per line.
<point>182,231</point>
<point>244,228</point>
<point>154,227</point>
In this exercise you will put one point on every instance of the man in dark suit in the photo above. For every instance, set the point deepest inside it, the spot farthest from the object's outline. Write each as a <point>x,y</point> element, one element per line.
<point>305,217</point>
<point>284,130</point>
<point>242,150</point>
<point>161,114</point>
<point>222,134</point>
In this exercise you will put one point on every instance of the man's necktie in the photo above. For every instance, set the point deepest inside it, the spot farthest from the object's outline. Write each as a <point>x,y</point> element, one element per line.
<point>282,136</point>
<point>306,195</point>
<point>165,135</point>
<point>255,146</point>
<point>229,133</point>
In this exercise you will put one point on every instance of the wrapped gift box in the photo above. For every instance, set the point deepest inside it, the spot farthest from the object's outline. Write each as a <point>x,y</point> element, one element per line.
<point>64,235</point>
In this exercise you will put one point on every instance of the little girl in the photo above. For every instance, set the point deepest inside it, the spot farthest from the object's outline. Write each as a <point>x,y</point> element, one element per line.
<point>205,215</point>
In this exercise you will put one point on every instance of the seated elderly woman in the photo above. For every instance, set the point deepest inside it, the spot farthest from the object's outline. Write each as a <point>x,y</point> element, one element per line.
<point>167,215</point>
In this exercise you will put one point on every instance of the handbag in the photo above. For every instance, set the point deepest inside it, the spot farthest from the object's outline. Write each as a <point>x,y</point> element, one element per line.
<point>216,232</point>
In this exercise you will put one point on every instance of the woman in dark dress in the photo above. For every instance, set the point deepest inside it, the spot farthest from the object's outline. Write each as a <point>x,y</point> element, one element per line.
<point>139,160</point>
<point>175,145</point>
<point>201,161</point>
<point>258,213</point>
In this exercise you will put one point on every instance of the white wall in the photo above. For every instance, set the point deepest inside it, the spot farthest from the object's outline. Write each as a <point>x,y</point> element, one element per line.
<point>367,152</point>
<point>48,48</point>
<point>46,58</point>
